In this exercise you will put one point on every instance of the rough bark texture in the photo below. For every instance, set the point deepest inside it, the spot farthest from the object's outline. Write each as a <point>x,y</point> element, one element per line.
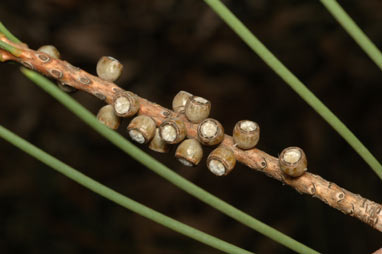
<point>347,202</point>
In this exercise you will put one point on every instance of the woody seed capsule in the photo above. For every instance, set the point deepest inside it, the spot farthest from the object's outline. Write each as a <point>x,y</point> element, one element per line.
<point>109,68</point>
<point>246,134</point>
<point>180,100</point>
<point>172,131</point>
<point>189,152</point>
<point>50,50</point>
<point>142,129</point>
<point>197,109</point>
<point>293,162</point>
<point>107,116</point>
<point>157,143</point>
<point>210,132</point>
<point>125,104</point>
<point>221,161</point>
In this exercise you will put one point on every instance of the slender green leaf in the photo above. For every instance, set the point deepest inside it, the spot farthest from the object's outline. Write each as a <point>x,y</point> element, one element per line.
<point>8,34</point>
<point>259,48</point>
<point>116,197</point>
<point>354,31</point>
<point>7,47</point>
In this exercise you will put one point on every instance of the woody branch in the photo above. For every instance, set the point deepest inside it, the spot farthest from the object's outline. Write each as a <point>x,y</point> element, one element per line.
<point>347,202</point>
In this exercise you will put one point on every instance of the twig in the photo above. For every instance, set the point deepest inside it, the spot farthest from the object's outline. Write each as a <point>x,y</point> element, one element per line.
<point>311,184</point>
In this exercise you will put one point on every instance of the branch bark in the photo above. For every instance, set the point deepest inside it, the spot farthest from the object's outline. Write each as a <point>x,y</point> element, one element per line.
<point>347,202</point>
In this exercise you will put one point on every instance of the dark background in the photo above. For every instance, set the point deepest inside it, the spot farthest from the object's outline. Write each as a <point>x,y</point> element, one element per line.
<point>167,46</point>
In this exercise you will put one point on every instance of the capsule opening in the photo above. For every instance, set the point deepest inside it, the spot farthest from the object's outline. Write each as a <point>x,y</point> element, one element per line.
<point>137,136</point>
<point>292,156</point>
<point>216,167</point>
<point>122,105</point>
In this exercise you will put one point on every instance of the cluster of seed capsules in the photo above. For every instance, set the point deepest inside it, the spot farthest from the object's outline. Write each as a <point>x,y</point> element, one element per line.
<point>143,129</point>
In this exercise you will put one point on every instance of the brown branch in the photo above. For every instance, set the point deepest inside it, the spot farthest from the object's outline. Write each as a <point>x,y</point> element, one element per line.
<point>311,184</point>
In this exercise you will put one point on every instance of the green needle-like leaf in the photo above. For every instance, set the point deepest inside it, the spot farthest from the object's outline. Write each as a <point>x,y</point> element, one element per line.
<point>259,48</point>
<point>354,31</point>
<point>7,47</point>
<point>8,34</point>
<point>116,197</point>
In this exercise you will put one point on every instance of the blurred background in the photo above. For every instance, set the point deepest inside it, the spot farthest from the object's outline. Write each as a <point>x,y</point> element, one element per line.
<point>167,46</point>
